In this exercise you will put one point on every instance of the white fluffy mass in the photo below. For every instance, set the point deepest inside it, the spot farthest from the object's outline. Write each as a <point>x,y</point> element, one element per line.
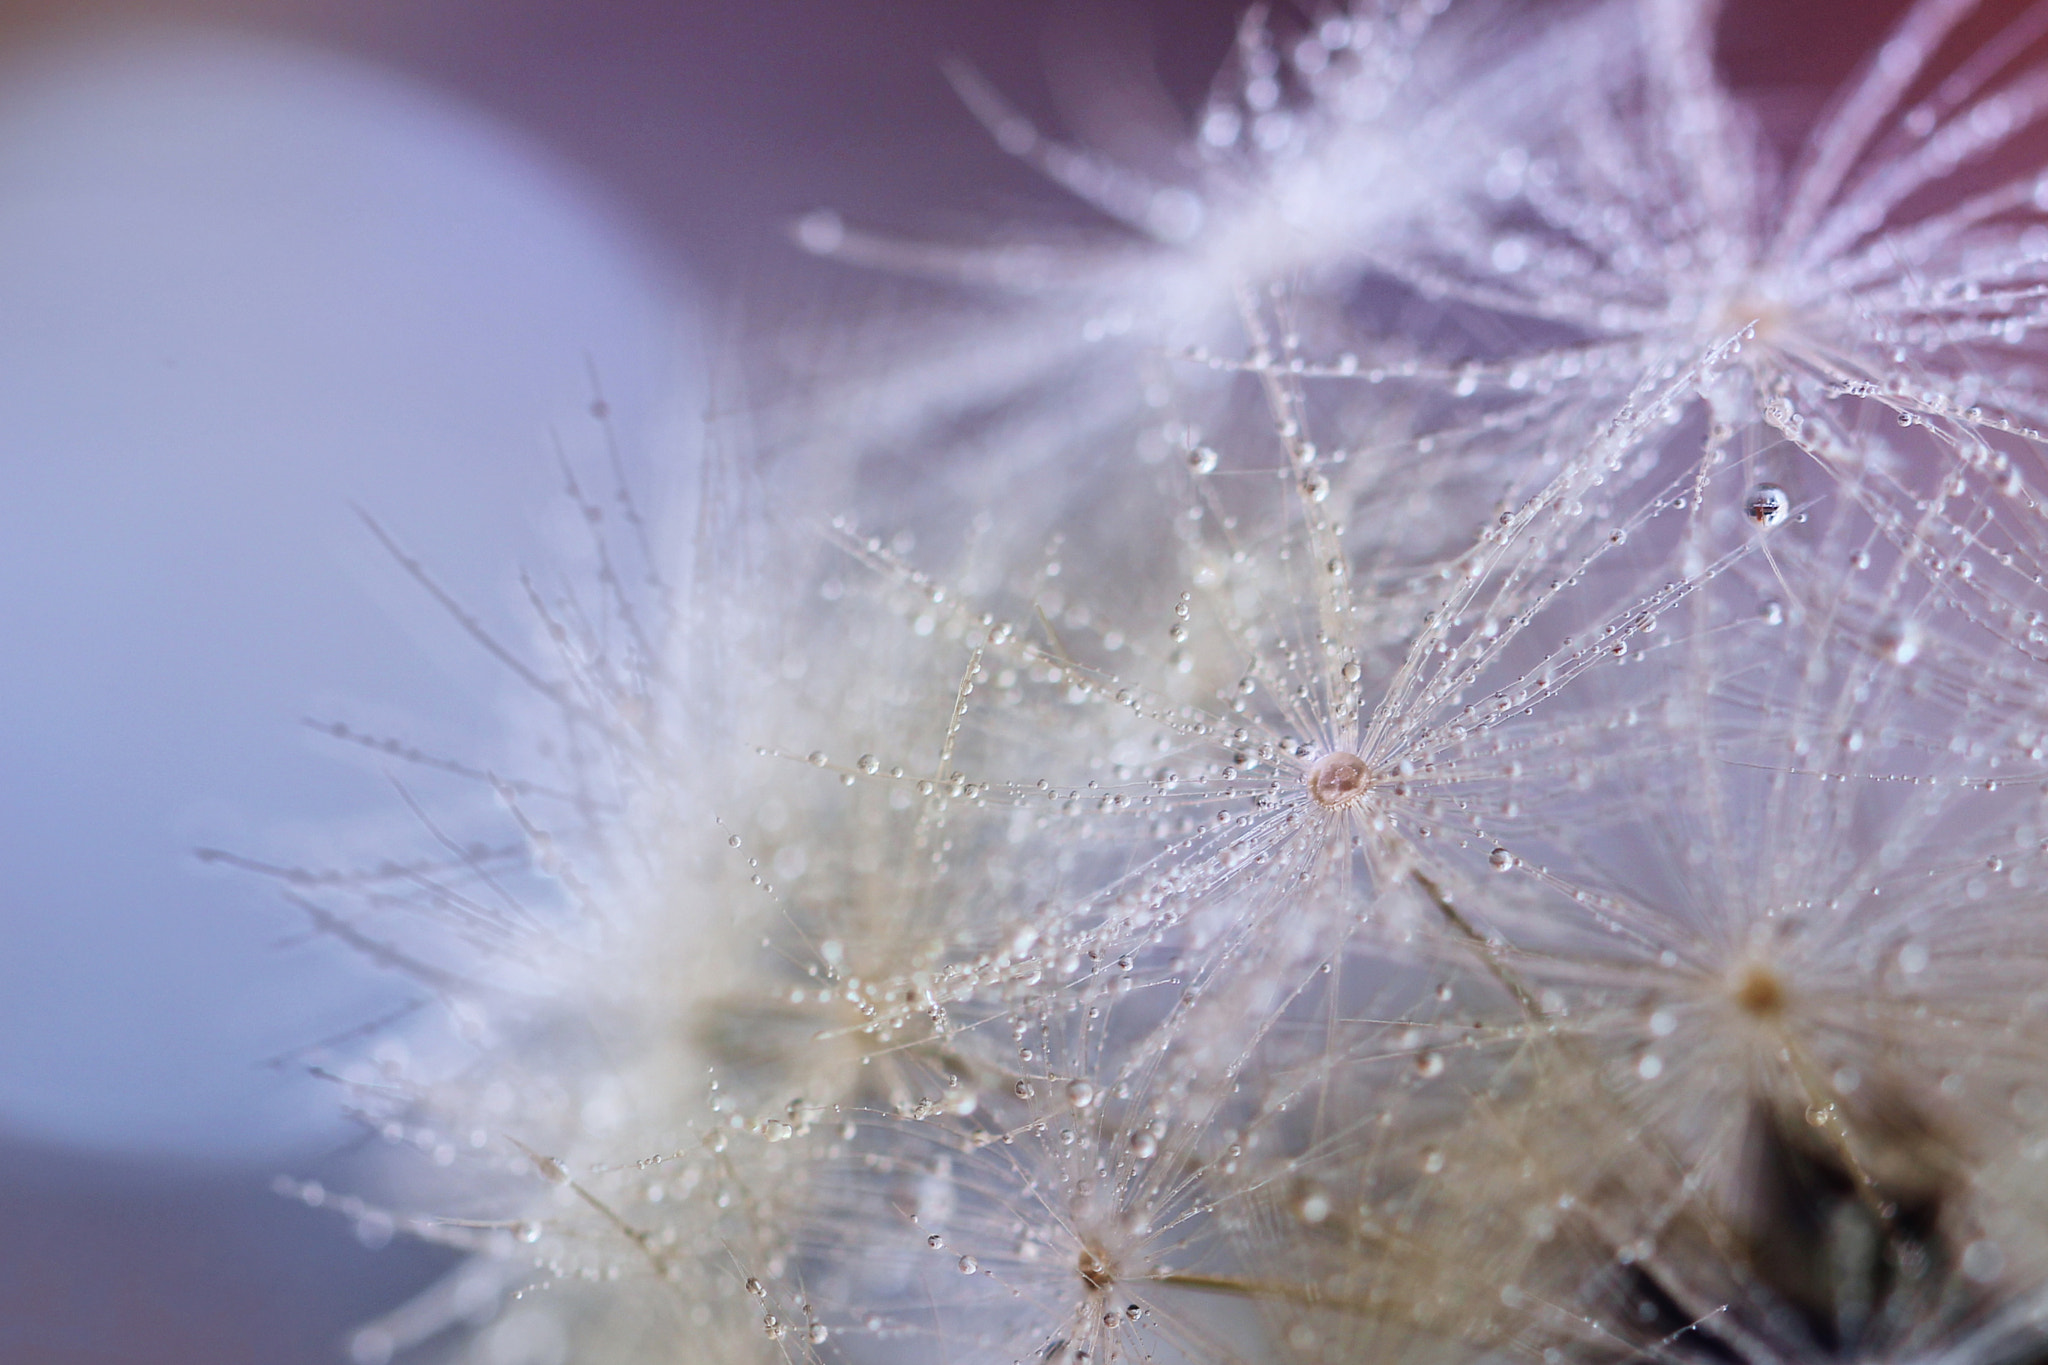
<point>1433,751</point>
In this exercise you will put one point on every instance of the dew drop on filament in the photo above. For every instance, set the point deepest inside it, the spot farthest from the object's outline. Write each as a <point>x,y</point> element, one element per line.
<point>1767,504</point>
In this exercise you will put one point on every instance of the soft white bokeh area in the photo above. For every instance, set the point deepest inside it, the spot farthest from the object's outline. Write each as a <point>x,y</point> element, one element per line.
<point>241,287</point>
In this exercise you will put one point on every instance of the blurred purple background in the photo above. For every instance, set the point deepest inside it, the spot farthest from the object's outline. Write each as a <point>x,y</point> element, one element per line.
<point>260,259</point>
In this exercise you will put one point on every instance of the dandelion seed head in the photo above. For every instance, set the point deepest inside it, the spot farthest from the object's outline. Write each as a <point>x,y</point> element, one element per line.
<point>1475,457</point>
<point>1097,1271</point>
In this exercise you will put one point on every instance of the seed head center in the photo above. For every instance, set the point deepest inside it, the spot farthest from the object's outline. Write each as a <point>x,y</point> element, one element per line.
<point>1756,306</point>
<point>1338,779</point>
<point>1759,992</point>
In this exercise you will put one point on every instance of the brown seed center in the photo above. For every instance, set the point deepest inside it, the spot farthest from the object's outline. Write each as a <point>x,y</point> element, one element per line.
<point>1759,992</point>
<point>1338,779</point>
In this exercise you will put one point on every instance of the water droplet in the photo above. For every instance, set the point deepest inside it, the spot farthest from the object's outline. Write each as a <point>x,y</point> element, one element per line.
<point>1429,1065</point>
<point>1502,861</point>
<point>1338,779</point>
<point>1080,1094</point>
<point>1897,642</point>
<point>1983,1261</point>
<point>935,1242</point>
<point>1767,504</point>
<point>1202,460</point>
<point>821,232</point>
<point>1025,1090</point>
<point>756,1288</point>
<point>869,764</point>
<point>968,1265</point>
<point>817,759</point>
<point>819,1332</point>
<point>1143,1145</point>
<point>1771,612</point>
<point>1352,672</point>
<point>1315,488</point>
